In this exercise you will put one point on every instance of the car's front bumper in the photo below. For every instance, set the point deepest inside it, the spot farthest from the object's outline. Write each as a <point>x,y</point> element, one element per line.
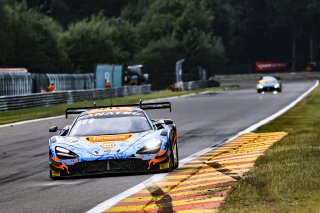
<point>133,165</point>
<point>268,89</point>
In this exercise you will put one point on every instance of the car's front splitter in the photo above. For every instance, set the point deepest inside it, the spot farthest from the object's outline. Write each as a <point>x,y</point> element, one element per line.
<point>131,165</point>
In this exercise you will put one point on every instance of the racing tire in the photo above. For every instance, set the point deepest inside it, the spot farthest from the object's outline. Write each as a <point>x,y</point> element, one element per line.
<point>279,90</point>
<point>171,161</point>
<point>176,160</point>
<point>259,91</point>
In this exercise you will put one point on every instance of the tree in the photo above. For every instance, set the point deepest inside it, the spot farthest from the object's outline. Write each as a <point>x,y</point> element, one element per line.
<point>98,40</point>
<point>300,19</point>
<point>135,10</point>
<point>32,40</point>
<point>69,11</point>
<point>6,42</point>
<point>223,23</point>
<point>279,30</point>
<point>187,27</point>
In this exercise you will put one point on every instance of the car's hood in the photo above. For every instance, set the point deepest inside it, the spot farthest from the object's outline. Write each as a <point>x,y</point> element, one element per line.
<point>103,144</point>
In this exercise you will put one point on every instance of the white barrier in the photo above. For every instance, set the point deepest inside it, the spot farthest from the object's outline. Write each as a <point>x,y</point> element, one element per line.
<point>47,99</point>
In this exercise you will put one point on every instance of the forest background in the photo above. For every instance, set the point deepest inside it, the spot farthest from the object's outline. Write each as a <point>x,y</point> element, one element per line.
<point>72,36</point>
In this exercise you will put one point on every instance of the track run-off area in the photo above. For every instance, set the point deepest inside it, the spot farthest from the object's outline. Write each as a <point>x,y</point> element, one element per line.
<point>207,171</point>
<point>201,184</point>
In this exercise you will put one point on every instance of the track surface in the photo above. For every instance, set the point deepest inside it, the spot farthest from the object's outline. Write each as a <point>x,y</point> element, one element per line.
<point>202,121</point>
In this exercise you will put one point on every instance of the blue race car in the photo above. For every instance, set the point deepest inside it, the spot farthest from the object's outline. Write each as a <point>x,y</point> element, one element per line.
<point>269,83</point>
<point>114,139</point>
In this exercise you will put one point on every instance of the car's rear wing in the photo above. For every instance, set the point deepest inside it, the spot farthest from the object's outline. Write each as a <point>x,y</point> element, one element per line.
<point>144,106</point>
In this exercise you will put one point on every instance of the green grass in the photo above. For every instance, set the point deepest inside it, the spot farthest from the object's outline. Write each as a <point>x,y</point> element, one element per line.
<point>54,110</point>
<point>287,177</point>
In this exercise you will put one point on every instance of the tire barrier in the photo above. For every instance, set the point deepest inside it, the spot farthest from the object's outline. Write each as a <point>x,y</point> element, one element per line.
<point>65,82</point>
<point>71,96</point>
<point>14,83</point>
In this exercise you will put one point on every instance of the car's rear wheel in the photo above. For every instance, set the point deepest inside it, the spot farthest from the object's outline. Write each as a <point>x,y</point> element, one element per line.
<point>259,90</point>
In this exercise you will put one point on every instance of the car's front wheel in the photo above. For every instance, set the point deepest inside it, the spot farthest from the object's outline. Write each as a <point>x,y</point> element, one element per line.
<point>173,158</point>
<point>176,157</point>
<point>171,161</point>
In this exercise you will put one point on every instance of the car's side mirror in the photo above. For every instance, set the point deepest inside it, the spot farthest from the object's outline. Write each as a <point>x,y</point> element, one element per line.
<point>64,131</point>
<point>168,121</point>
<point>53,129</point>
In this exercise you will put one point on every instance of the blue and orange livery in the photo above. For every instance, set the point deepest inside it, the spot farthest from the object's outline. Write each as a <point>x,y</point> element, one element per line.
<point>114,139</point>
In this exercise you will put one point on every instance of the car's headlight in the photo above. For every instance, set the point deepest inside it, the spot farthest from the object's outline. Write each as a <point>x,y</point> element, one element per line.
<point>151,147</point>
<point>259,86</point>
<point>276,85</point>
<point>63,153</point>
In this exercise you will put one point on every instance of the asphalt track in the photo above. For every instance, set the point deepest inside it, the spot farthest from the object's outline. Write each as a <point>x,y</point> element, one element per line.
<point>202,121</point>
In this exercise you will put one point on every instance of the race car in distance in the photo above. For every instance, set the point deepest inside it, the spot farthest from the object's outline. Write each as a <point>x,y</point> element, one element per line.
<point>114,139</point>
<point>269,83</point>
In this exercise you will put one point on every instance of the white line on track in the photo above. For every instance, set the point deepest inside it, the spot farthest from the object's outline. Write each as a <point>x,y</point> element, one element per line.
<point>57,183</point>
<point>114,200</point>
<point>31,121</point>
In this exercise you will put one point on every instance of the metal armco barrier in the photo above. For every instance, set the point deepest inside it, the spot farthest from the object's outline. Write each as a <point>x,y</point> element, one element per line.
<point>64,82</point>
<point>193,85</point>
<point>47,99</point>
<point>255,76</point>
<point>12,83</point>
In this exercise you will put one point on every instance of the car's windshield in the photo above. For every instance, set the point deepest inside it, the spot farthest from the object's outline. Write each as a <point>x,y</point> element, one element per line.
<point>90,126</point>
<point>269,78</point>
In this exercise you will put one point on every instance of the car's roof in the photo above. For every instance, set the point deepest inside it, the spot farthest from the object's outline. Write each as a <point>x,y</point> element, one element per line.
<point>112,109</point>
<point>269,76</point>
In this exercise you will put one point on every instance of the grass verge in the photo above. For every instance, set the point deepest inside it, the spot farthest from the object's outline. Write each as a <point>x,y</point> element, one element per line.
<point>54,110</point>
<point>287,177</point>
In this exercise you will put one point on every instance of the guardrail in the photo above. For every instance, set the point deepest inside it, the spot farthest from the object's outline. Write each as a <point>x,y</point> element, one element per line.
<point>255,76</point>
<point>47,99</point>
<point>193,85</point>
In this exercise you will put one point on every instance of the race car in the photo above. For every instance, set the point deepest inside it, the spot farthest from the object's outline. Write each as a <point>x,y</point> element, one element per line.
<point>269,83</point>
<point>114,139</point>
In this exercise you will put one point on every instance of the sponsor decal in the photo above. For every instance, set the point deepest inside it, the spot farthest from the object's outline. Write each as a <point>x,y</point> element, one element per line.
<point>164,166</point>
<point>108,146</point>
<point>270,66</point>
<point>55,173</point>
<point>110,114</point>
<point>103,138</point>
<point>112,109</point>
